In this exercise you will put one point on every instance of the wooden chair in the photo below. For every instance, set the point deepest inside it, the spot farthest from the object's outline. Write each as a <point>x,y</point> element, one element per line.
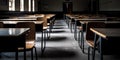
<point>12,43</point>
<point>50,22</point>
<point>109,46</point>
<point>77,27</point>
<point>44,32</point>
<point>90,34</point>
<point>30,39</point>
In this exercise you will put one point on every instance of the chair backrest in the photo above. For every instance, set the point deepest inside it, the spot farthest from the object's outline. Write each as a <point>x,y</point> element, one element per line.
<point>1,25</point>
<point>43,19</point>
<point>90,34</point>
<point>11,43</point>
<point>31,25</point>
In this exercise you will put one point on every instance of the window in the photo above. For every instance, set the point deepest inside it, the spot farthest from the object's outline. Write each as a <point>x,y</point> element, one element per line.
<point>11,5</point>
<point>33,5</point>
<point>21,5</point>
<point>29,5</point>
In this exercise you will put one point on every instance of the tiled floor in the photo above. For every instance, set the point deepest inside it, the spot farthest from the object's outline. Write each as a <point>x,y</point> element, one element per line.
<point>60,46</point>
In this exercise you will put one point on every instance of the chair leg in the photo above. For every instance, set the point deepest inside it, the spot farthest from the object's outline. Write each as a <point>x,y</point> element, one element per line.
<point>46,37</point>
<point>31,54</point>
<point>42,41</point>
<point>47,34</point>
<point>88,53</point>
<point>16,55</point>
<point>78,37</point>
<point>71,27</point>
<point>24,54</point>
<point>79,40</point>
<point>36,54</point>
<point>93,54</point>
<point>82,41</point>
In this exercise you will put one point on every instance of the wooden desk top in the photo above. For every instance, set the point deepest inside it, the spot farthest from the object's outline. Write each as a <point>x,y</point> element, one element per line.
<point>15,22</point>
<point>92,19</point>
<point>4,32</point>
<point>106,32</point>
<point>19,19</point>
<point>29,17</point>
<point>106,22</point>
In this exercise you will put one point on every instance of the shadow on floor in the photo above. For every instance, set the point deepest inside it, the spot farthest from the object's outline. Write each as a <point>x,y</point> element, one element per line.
<point>59,28</point>
<point>59,25</point>
<point>53,39</point>
<point>58,53</point>
<point>57,38</point>
<point>57,31</point>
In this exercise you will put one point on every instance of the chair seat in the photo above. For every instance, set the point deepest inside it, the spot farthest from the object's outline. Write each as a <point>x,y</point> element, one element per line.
<point>44,28</point>
<point>80,27</point>
<point>90,43</point>
<point>29,45</point>
<point>48,24</point>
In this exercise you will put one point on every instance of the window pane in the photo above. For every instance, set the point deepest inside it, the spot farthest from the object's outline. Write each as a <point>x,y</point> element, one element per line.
<point>11,5</point>
<point>21,5</point>
<point>29,8</point>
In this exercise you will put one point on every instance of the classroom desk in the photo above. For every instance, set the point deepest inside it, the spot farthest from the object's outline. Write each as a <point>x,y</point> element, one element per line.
<point>12,38</point>
<point>38,25</point>
<point>105,33</point>
<point>83,22</point>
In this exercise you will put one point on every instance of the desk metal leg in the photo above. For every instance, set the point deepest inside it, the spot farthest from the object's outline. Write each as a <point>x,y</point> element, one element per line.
<point>36,54</point>
<point>24,54</point>
<point>45,38</point>
<point>42,41</point>
<point>16,55</point>
<point>70,25</point>
<point>93,52</point>
<point>75,30</point>
<point>79,40</point>
<point>101,55</point>
<point>89,53</point>
<point>82,40</point>
<point>32,54</point>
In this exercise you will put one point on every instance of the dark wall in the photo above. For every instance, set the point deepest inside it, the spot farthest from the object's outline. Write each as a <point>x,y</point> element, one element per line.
<point>57,5</point>
<point>4,5</point>
<point>109,5</point>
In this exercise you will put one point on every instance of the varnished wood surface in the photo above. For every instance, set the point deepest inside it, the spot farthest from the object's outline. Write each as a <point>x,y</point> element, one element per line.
<point>19,19</point>
<point>106,32</point>
<point>15,22</point>
<point>7,32</point>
